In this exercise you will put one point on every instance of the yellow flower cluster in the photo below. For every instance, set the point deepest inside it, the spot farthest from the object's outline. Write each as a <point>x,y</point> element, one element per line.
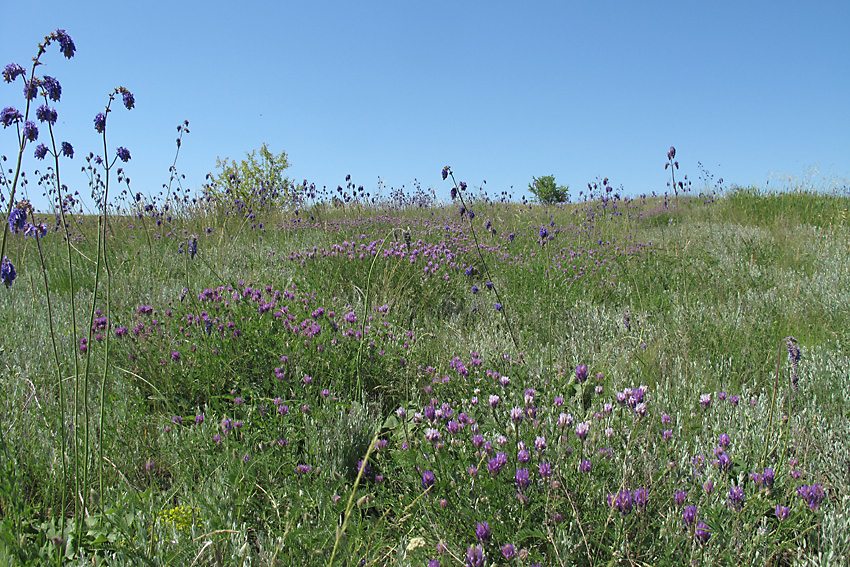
<point>182,518</point>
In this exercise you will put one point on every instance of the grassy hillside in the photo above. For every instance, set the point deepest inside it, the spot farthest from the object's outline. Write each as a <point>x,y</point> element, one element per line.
<point>640,381</point>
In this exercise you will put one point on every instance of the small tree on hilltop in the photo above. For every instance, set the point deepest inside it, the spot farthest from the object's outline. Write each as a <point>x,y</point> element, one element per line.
<point>256,182</point>
<point>547,192</point>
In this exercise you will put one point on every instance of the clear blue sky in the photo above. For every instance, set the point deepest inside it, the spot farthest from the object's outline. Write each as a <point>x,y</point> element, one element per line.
<point>501,91</point>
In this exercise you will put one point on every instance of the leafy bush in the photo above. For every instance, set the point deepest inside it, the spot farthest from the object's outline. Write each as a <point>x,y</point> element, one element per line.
<point>255,183</point>
<point>547,192</point>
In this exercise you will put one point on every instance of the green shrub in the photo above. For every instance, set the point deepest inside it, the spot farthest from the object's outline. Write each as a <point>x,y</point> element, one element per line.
<point>255,183</point>
<point>547,192</point>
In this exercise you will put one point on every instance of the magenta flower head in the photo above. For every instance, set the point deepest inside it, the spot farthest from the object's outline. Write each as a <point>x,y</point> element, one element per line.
<point>428,479</point>
<point>100,122</point>
<point>12,72</point>
<point>66,44</point>
<point>581,374</point>
<point>582,429</point>
<point>508,551</point>
<point>482,532</point>
<point>123,154</point>
<point>475,556</point>
<point>523,479</point>
<point>689,515</point>
<point>736,497</point>
<point>782,512</point>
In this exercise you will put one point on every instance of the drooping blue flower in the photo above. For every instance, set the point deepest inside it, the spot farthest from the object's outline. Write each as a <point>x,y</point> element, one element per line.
<point>40,151</point>
<point>9,116</point>
<point>67,150</point>
<point>123,154</point>
<point>66,44</point>
<point>17,219</point>
<point>30,131</point>
<point>445,172</point>
<point>31,89</point>
<point>193,247</point>
<point>100,122</point>
<point>498,306</point>
<point>129,100</point>
<point>46,114</point>
<point>7,272</point>
<point>52,88</point>
<point>12,72</point>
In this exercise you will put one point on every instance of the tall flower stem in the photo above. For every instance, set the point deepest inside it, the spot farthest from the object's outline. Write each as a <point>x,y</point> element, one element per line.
<point>484,263</point>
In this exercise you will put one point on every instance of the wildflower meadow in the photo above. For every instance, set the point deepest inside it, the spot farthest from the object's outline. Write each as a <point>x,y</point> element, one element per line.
<point>264,372</point>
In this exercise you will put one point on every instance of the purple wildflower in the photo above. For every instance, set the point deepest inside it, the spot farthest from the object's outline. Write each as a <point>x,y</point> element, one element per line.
<point>736,497</point>
<point>52,88</point>
<point>9,116</point>
<point>782,512</point>
<point>123,154</point>
<point>66,44</point>
<point>12,72</point>
<point>475,555</point>
<point>30,131</point>
<point>40,151</point>
<point>482,532</point>
<point>7,272</point>
<point>702,532</point>
<point>428,479</point>
<point>581,374</point>
<point>508,551</point>
<point>100,122</point>
<point>689,515</point>
<point>46,114</point>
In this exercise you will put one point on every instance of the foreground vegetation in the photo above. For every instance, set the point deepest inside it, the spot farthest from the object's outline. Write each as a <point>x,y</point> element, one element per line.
<point>348,379</point>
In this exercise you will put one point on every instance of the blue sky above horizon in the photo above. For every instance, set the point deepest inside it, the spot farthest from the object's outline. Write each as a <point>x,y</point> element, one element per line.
<point>755,91</point>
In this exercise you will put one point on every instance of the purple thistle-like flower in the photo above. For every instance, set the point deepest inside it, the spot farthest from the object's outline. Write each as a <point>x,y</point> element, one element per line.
<point>585,466</point>
<point>123,154</point>
<point>9,116</point>
<point>545,470</point>
<point>508,551</point>
<point>52,87</point>
<point>702,533</point>
<point>12,72</point>
<point>782,512</point>
<point>7,272</point>
<point>100,122</point>
<point>30,131</point>
<point>66,44</point>
<point>482,532</point>
<point>475,556</point>
<point>40,151</point>
<point>46,114</point>
<point>129,100</point>
<point>67,150</point>
<point>724,440</point>
<point>679,497</point>
<point>428,479</point>
<point>689,515</point>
